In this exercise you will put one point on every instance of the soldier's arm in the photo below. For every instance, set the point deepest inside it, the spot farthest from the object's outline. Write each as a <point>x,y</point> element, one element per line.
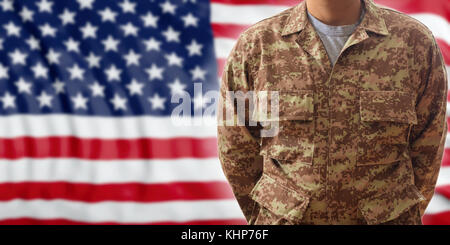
<point>427,138</point>
<point>238,146</point>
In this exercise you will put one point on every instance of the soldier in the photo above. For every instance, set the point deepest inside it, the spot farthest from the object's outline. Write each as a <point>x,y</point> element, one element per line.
<point>361,116</point>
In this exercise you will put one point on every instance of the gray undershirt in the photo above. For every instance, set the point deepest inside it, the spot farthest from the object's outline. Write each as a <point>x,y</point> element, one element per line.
<point>334,37</point>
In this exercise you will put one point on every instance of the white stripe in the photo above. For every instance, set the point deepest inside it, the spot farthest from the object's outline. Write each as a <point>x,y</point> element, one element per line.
<point>223,46</point>
<point>242,14</point>
<point>123,212</point>
<point>436,23</point>
<point>250,14</point>
<point>448,76</point>
<point>438,204</point>
<point>145,171</point>
<point>447,139</point>
<point>103,127</point>
<point>448,114</point>
<point>444,176</point>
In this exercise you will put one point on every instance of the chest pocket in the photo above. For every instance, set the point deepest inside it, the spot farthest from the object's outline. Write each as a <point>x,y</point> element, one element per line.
<point>386,118</point>
<point>295,125</point>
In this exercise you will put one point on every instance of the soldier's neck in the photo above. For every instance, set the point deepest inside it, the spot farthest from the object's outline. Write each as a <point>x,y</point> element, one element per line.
<point>335,12</point>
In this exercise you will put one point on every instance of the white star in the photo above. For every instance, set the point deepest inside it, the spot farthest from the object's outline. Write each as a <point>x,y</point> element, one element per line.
<point>198,73</point>
<point>152,44</point>
<point>176,87</point>
<point>93,60</point>
<point>3,71</point>
<point>171,35</point>
<point>76,72</point>
<point>155,72</point>
<point>85,4</point>
<point>132,58</point>
<point>8,100</point>
<point>7,5</point>
<point>167,7</point>
<point>53,57</point>
<point>58,86</point>
<point>11,29</point>
<point>113,73</point>
<point>150,20</point>
<point>194,48</point>
<point>1,43</point>
<point>26,14</point>
<point>17,57</point>
<point>135,87</point>
<point>128,6</point>
<point>79,101</point>
<point>119,102</point>
<point>89,31</point>
<point>72,45</point>
<point>44,6</point>
<point>23,86</point>
<point>40,71</point>
<point>33,43</point>
<point>108,15</point>
<point>67,17</point>
<point>173,59</point>
<point>110,43</point>
<point>185,1</point>
<point>129,29</point>
<point>97,90</point>
<point>47,30</point>
<point>189,20</point>
<point>157,102</point>
<point>45,100</point>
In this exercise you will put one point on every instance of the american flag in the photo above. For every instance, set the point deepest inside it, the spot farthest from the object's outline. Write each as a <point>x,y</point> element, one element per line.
<point>86,88</point>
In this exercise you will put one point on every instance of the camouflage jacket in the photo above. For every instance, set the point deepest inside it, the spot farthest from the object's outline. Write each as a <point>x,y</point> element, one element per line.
<point>359,142</point>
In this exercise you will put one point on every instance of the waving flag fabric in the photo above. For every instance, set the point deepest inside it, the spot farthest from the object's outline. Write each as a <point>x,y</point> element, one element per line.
<point>86,88</point>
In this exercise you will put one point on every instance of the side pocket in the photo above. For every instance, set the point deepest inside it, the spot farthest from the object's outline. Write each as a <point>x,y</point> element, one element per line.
<point>389,205</point>
<point>278,204</point>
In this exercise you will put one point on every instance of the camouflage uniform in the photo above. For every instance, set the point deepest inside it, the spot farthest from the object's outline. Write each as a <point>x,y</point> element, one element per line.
<point>359,143</point>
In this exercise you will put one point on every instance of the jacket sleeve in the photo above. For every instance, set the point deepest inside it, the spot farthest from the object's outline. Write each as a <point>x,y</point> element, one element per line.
<point>427,138</point>
<point>238,146</point>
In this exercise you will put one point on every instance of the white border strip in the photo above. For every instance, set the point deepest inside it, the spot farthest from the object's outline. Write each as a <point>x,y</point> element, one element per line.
<point>100,172</point>
<point>124,212</point>
<point>444,176</point>
<point>223,46</point>
<point>243,14</point>
<point>104,127</point>
<point>438,204</point>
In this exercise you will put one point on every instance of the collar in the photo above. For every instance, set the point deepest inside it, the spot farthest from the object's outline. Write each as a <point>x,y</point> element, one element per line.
<point>372,20</point>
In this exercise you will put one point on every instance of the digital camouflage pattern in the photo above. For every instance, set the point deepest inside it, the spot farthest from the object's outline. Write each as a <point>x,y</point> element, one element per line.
<point>358,143</point>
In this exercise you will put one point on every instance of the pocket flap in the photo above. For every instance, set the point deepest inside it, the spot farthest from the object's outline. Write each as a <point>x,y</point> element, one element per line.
<point>279,199</point>
<point>293,105</point>
<point>389,205</point>
<point>396,106</point>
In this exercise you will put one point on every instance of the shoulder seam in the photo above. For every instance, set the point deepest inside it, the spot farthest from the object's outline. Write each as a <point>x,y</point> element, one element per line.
<point>405,15</point>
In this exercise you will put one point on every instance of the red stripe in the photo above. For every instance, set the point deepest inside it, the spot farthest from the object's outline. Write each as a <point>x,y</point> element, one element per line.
<point>137,192</point>
<point>228,30</point>
<point>31,221</point>
<point>220,65</point>
<point>442,218</point>
<point>445,50</point>
<point>443,190</point>
<point>146,148</point>
<point>439,7</point>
